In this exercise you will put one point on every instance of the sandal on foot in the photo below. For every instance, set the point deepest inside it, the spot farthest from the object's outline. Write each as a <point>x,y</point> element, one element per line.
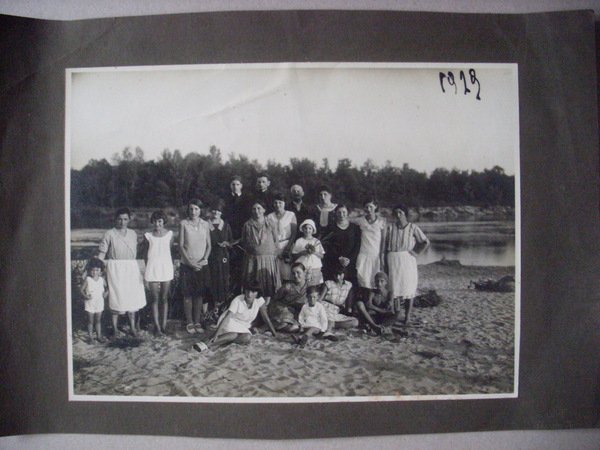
<point>199,328</point>
<point>330,337</point>
<point>302,341</point>
<point>190,328</point>
<point>200,347</point>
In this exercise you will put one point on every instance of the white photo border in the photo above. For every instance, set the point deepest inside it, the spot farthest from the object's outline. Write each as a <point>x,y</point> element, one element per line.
<point>259,400</point>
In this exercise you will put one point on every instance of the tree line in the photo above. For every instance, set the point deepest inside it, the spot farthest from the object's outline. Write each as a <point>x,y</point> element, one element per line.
<point>129,180</point>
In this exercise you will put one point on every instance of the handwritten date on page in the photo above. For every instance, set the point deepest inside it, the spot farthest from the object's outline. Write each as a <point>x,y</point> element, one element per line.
<point>469,83</point>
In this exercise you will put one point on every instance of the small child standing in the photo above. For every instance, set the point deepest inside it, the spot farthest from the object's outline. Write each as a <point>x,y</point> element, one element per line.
<point>159,268</point>
<point>94,292</point>
<point>313,317</point>
<point>309,252</point>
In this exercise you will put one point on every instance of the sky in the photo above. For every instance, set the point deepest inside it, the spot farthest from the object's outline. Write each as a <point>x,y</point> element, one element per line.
<point>382,112</point>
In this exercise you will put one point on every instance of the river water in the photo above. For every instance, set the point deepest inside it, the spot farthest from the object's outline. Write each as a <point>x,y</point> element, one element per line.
<point>488,243</point>
<point>485,243</point>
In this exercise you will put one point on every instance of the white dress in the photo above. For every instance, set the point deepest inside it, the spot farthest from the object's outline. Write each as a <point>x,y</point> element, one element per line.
<point>368,259</point>
<point>402,266</point>
<point>312,263</point>
<point>240,317</point>
<point>283,226</point>
<point>95,288</point>
<point>160,264</point>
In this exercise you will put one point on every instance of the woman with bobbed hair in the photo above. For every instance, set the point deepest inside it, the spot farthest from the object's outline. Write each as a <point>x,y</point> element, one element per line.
<point>259,240</point>
<point>286,226</point>
<point>195,248</point>
<point>403,241</point>
<point>370,259</point>
<point>341,240</point>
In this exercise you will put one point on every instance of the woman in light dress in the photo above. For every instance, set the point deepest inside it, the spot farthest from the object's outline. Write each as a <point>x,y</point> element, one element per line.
<point>285,225</point>
<point>195,248</point>
<point>259,240</point>
<point>234,324</point>
<point>403,241</point>
<point>118,248</point>
<point>370,260</point>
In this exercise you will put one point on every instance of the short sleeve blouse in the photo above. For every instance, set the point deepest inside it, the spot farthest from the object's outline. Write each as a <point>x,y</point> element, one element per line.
<point>116,246</point>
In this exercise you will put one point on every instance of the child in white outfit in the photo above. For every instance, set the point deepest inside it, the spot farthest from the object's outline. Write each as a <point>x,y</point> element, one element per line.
<point>309,251</point>
<point>94,292</point>
<point>313,317</point>
<point>159,268</point>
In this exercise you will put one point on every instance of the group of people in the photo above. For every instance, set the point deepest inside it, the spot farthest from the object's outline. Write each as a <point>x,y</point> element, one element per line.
<point>305,269</point>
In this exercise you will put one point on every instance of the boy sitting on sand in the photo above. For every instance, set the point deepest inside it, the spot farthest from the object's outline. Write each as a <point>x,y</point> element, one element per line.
<point>313,317</point>
<point>380,310</point>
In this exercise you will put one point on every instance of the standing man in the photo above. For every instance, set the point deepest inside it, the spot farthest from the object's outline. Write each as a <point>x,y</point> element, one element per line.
<point>263,193</point>
<point>236,213</point>
<point>298,207</point>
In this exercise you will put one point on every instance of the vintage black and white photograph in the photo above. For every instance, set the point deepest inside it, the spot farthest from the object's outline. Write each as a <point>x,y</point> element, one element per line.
<point>293,232</point>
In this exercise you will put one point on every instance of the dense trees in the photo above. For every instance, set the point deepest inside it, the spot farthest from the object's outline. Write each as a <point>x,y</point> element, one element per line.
<point>129,180</point>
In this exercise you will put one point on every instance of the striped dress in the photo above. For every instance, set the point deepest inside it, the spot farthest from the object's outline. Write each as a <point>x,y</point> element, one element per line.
<point>402,266</point>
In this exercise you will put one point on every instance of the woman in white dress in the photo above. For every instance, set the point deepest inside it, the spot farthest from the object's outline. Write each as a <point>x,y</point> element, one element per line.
<point>118,248</point>
<point>369,260</point>
<point>234,324</point>
<point>403,241</point>
<point>159,268</point>
<point>286,226</point>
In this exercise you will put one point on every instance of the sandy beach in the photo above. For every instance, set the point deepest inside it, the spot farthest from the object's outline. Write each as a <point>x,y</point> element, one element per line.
<point>465,345</point>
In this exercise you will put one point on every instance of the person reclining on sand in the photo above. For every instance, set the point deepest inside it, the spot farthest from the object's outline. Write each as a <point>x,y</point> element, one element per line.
<point>234,324</point>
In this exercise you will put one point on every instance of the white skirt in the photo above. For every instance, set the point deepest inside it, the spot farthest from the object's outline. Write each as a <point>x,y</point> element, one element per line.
<point>402,274</point>
<point>125,285</point>
<point>366,268</point>
<point>232,325</point>
<point>94,305</point>
<point>159,270</point>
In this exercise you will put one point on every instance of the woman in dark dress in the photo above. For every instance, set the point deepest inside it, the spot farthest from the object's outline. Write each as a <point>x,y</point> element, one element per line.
<point>341,240</point>
<point>221,240</point>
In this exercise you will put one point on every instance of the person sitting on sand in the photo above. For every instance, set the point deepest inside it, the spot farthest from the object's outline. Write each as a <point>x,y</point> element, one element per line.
<point>379,311</point>
<point>312,317</point>
<point>335,294</point>
<point>287,301</point>
<point>94,291</point>
<point>402,242</point>
<point>234,324</point>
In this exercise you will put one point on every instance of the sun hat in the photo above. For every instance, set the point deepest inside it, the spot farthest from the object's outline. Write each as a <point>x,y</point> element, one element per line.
<point>309,222</point>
